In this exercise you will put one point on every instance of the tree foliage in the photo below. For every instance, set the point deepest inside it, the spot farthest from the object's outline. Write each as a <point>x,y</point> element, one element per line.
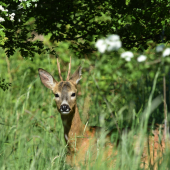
<point>83,22</point>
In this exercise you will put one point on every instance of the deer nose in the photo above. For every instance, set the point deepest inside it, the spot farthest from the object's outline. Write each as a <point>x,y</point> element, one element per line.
<point>64,108</point>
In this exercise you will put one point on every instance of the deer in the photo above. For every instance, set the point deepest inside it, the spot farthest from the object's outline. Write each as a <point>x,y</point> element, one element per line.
<point>77,135</point>
<point>65,93</point>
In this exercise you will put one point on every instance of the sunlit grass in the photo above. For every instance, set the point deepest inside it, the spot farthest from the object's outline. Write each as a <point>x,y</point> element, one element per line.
<point>31,129</point>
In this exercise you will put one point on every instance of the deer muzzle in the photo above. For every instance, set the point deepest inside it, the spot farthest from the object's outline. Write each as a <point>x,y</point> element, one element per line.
<point>65,109</point>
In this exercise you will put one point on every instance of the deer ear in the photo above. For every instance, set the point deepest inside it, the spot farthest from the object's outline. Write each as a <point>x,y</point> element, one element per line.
<point>76,77</point>
<point>47,79</point>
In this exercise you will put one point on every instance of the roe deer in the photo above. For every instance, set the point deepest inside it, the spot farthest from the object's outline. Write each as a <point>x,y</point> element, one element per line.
<point>78,137</point>
<point>76,134</point>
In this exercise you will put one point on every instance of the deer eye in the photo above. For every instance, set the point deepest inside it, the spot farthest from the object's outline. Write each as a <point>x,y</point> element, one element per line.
<point>73,94</point>
<point>56,95</point>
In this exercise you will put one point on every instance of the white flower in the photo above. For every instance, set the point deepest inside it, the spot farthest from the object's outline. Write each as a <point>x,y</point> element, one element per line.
<point>112,42</point>
<point>159,48</point>
<point>2,19</point>
<point>113,37</point>
<point>35,5</point>
<point>101,45</point>
<point>2,8</point>
<point>113,45</point>
<point>141,58</point>
<point>127,55</point>
<point>166,52</point>
<point>12,18</point>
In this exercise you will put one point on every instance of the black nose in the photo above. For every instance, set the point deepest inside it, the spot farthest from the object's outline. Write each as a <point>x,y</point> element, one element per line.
<point>64,108</point>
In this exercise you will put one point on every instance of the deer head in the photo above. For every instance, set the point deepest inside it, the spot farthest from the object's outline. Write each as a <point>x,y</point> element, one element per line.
<point>64,91</point>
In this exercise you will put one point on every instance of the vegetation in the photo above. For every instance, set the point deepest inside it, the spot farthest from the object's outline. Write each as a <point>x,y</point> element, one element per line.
<point>31,128</point>
<point>125,85</point>
<point>82,22</point>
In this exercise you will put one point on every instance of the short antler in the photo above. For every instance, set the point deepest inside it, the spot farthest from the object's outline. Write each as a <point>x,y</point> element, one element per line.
<point>69,69</point>
<point>59,71</point>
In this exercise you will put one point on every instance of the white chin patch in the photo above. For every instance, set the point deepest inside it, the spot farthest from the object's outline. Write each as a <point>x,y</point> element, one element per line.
<point>65,113</point>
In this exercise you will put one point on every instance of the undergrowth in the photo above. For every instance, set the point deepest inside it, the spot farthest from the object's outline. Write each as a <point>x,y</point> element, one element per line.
<point>31,129</point>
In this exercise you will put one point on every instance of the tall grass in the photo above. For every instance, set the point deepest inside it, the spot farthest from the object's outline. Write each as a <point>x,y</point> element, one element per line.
<point>31,132</point>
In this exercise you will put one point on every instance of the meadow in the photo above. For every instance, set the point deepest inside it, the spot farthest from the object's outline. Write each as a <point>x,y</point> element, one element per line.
<point>125,85</point>
<point>31,132</point>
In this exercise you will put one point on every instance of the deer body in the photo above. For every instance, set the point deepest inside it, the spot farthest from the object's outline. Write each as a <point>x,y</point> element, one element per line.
<point>75,133</point>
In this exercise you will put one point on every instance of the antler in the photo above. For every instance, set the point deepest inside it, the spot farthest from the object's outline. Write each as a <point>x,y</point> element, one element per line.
<point>59,71</point>
<point>69,69</point>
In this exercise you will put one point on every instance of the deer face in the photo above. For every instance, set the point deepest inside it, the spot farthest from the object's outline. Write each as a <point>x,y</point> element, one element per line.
<point>65,96</point>
<point>64,91</point>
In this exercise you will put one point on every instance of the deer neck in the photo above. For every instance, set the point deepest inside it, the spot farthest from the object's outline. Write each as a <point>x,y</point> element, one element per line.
<point>73,125</point>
